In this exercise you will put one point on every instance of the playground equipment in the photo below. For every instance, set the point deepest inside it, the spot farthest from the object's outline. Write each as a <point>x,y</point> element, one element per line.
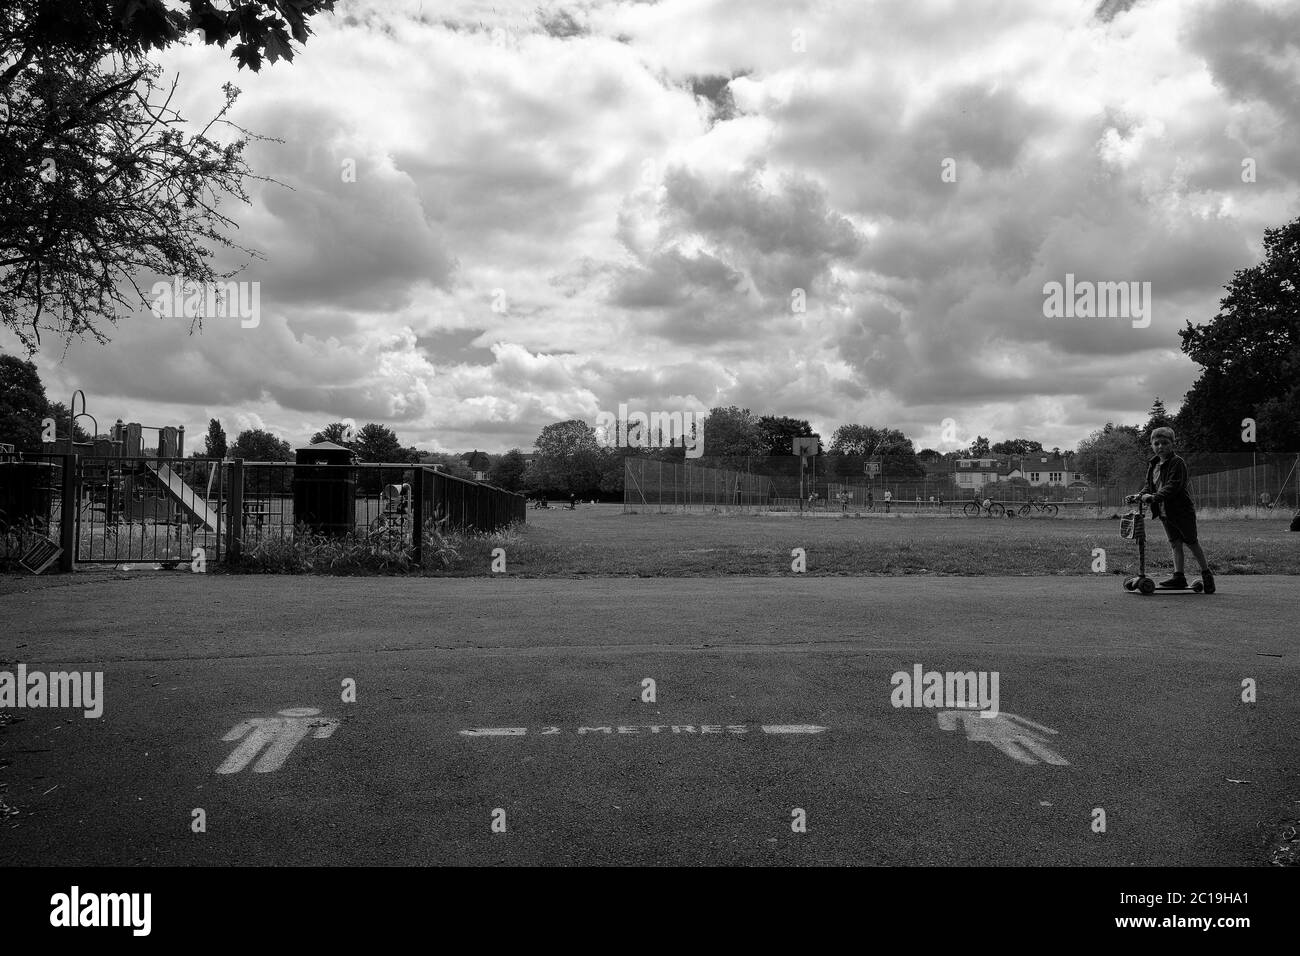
<point>185,496</point>
<point>123,480</point>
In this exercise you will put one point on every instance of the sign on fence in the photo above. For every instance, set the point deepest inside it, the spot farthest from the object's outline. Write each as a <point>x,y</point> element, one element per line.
<point>40,556</point>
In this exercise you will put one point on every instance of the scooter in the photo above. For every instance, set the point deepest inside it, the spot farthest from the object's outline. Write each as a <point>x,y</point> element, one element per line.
<point>1133,526</point>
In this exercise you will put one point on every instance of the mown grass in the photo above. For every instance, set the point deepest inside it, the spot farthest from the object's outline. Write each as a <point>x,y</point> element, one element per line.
<point>600,540</point>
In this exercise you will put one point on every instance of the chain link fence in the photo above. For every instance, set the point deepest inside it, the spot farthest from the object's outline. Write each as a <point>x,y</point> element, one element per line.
<point>1227,482</point>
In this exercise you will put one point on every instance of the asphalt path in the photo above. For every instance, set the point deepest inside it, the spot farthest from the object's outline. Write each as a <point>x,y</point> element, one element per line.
<point>1123,704</point>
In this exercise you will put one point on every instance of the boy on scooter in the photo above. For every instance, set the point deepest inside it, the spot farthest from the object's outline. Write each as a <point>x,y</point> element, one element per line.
<point>1166,489</point>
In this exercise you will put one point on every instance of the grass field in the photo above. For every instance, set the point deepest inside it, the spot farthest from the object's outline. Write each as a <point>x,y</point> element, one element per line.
<point>602,540</point>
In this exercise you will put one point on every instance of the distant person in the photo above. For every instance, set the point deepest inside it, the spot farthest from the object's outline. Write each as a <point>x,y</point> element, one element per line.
<point>871,500</point>
<point>889,500</point>
<point>1166,489</point>
<point>573,502</point>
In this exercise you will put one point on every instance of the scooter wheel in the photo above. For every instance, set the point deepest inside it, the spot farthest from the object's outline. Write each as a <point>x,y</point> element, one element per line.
<point>1130,583</point>
<point>1198,587</point>
<point>1147,586</point>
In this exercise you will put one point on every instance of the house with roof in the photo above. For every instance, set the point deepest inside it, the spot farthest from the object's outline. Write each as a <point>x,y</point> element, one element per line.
<point>1042,471</point>
<point>478,463</point>
<point>972,474</point>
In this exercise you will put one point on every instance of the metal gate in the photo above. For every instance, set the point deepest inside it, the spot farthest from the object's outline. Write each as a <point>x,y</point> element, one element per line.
<point>147,510</point>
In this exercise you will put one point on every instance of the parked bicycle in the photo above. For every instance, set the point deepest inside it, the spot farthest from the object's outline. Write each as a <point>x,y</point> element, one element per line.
<point>1035,504</point>
<point>988,507</point>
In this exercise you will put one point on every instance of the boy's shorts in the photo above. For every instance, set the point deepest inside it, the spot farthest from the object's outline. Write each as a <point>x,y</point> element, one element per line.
<point>1181,529</point>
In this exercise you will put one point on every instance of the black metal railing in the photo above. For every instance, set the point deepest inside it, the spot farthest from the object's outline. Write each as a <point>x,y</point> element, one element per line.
<point>112,509</point>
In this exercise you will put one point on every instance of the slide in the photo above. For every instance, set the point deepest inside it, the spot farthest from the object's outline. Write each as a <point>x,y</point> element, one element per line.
<point>185,495</point>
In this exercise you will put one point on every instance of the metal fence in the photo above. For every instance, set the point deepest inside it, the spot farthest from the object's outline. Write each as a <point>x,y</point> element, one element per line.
<point>381,502</point>
<point>1233,481</point>
<point>31,503</point>
<point>115,510</point>
<point>1229,481</point>
<point>656,486</point>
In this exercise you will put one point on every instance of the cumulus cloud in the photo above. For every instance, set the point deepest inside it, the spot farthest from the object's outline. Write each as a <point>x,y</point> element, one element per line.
<point>553,211</point>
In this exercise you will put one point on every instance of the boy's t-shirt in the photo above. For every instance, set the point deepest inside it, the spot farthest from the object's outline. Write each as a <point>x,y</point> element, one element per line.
<point>1179,503</point>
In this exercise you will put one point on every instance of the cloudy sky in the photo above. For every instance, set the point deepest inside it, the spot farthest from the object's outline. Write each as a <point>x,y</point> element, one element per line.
<point>559,208</point>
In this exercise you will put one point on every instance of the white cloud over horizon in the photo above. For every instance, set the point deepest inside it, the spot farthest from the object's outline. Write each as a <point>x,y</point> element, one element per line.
<point>643,186</point>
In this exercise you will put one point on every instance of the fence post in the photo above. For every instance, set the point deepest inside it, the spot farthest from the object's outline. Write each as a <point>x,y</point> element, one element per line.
<point>68,513</point>
<point>417,514</point>
<point>220,466</point>
<point>235,511</point>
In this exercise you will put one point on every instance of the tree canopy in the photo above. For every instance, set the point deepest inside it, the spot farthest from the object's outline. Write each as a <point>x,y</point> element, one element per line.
<point>215,441</point>
<point>100,183</point>
<point>508,471</point>
<point>23,404</point>
<point>255,444</point>
<point>1250,356</point>
<point>569,458</point>
<point>733,433</point>
<point>1016,446</point>
<point>1112,454</point>
<point>378,443</point>
<point>779,433</point>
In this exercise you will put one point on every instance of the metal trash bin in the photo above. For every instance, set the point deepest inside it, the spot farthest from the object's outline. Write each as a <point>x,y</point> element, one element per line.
<point>325,497</point>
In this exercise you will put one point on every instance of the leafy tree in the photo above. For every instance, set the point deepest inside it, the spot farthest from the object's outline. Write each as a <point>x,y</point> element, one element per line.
<point>569,458</point>
<point>336,432</point>
<point>979,448</point>
<point>508,471</point>
<point>22,404</point>
<point>779,433</point>
<point>448,464</point>
<point>1158,417</point>
<point>864,440</point>
<point>255,444</point>
<point>1016,446</point>
<point>733,433</point>
<point>378,443</point>
<point>865,443</point>
<point>612,471</point>
<point>1250,356</point>
<point>93,29</point>
<point>215,441</point>
<point>100,179</point>
<point>1112,455</point>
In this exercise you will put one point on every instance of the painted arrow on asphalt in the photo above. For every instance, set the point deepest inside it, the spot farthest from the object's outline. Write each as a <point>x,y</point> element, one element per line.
<point>1019,738</point>
<point>705,730</point>
<point>793,729</point>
